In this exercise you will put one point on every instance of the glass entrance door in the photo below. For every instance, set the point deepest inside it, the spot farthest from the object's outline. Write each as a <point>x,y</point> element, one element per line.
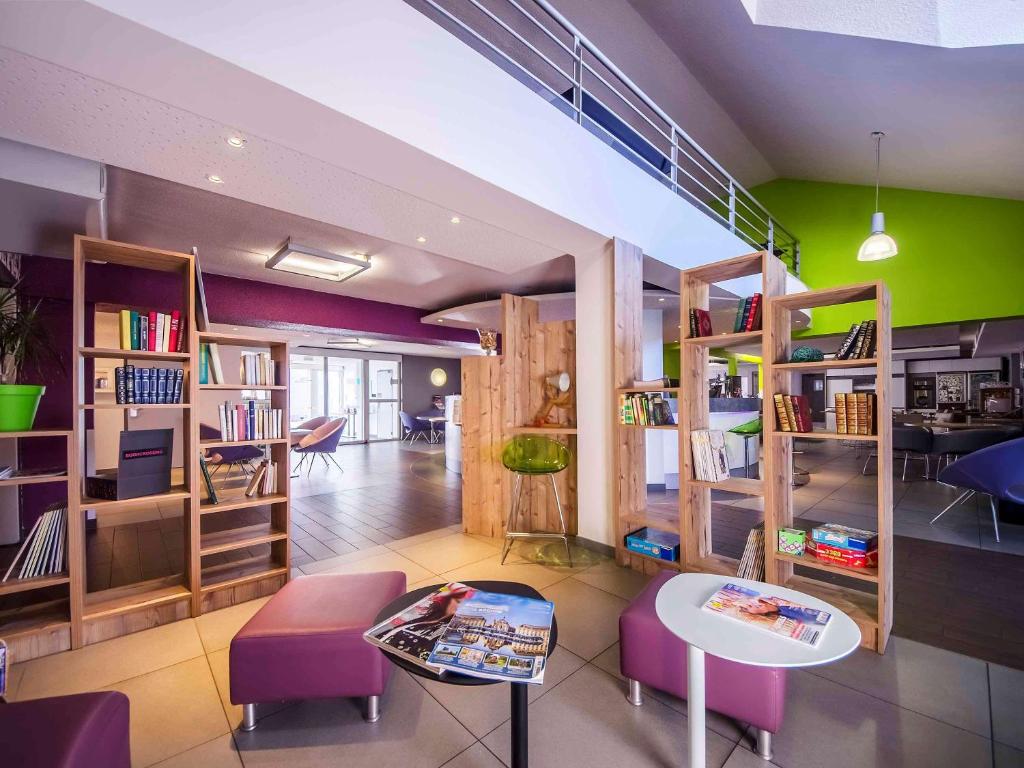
<point>384,379</point>
<point>345,397</point>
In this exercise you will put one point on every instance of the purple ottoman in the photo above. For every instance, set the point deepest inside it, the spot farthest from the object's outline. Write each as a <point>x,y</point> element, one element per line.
<point>307,643</point>
<point>651,655</point>
<point>80,731</point>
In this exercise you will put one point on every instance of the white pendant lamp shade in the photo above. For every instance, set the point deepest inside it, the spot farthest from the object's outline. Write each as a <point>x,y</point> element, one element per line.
<point>879,245</point>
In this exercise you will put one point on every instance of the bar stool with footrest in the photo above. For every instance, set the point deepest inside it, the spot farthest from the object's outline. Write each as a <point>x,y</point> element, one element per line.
<point>529,456</point>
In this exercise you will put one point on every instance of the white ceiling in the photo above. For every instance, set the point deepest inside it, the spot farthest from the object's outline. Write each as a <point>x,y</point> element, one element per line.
<point>809,100</point>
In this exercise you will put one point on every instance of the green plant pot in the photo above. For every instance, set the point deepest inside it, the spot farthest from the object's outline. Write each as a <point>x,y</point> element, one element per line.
<point>18,405</point>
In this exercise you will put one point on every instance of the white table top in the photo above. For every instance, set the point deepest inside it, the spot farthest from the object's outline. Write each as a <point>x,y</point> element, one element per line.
<point>679,608</point>
<point>431,418</point>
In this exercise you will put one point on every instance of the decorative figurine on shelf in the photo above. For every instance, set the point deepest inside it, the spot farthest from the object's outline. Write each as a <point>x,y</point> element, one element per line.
<point>558,393</point>
<point>807,355</point>
<point>488,340</point>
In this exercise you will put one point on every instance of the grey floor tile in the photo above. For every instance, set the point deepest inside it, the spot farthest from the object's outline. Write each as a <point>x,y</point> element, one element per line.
<point>588,618</point>
<point>586,722</point>
<point>1007,757</point>
<point>742,757</point>
<point>1007,705</point>
<point>482,708</point>
<point>477,756</point>
<point>864,731</point>
<point>414,732</point>
<point>941,684</point>
<point>219,753</point>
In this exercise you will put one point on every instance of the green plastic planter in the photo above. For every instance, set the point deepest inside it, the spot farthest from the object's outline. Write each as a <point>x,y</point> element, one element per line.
<point>18,405</point>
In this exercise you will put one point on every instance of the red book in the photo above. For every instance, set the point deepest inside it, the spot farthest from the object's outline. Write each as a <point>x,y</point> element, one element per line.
<point>152,332</point>
<point>181,335</point>
<point>239,423</point>
<point>754,316</point>
<point>703,322</point>
<point>172,341</point>
<point>802,406</point>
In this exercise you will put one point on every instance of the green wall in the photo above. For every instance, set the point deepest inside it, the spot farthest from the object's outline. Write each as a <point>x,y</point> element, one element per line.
<point>960,257</point>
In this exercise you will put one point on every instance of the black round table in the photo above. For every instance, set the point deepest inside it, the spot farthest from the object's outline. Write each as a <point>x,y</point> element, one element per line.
<point>520,700</point>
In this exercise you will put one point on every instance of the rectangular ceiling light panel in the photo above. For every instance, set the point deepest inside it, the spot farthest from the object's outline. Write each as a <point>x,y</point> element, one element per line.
<point>311,262</point>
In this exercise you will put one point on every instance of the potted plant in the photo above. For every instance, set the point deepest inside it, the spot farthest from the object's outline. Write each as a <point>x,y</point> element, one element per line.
<point>24,339</point>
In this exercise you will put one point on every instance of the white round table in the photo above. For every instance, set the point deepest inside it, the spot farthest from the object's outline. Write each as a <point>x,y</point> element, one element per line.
<point>679,607</point>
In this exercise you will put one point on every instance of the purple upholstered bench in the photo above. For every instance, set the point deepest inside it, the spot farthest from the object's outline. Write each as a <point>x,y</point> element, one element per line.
<point>651,655</point>
<point>307,643</point>
<point>80,731</point>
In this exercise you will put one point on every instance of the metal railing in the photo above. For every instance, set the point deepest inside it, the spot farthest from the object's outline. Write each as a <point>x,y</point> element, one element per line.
<point>537,45</point>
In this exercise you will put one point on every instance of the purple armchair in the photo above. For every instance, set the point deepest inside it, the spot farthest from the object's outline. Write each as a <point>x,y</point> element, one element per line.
<point>80,731</point>
<point>323,442</point>
<point>651,655</point>
<point>230,456</point>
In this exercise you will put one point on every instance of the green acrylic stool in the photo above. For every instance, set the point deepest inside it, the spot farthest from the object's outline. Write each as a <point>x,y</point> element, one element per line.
<point>747,430</point>
<point>529,456</point>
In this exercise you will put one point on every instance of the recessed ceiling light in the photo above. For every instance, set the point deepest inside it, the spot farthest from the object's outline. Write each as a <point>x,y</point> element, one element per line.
<point>350,341</point>
<point>661,298</point>
<point>213,178</point>
<point>421,239</point>
<point>456,219</point>
<point>235,141</point>
<point>312,262</point>
<point>440,319</point>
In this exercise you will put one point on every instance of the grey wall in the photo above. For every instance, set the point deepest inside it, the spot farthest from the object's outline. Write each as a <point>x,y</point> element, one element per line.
<point>417,390</point>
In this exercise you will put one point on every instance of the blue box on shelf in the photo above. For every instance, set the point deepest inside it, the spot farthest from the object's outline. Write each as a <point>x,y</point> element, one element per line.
<point>661,545</point>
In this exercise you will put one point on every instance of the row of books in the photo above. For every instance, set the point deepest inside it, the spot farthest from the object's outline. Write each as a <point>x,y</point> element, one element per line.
<point>10,473</point>
<point>210,369</point>
<point>148,386</point>
<point>151,331</point>
<point>748,314</point>
<point>752,562</point>
<point>42,552</point>
<point>710,459</point>
<point>859,342</point>
<point>645,409</point>
<point>794,413</point>
<point>700,323</point>
<point>855,413</point>
<point>263,480</point>
<point>255,368</point>
<point>250,420</point>
<point>471,632</point>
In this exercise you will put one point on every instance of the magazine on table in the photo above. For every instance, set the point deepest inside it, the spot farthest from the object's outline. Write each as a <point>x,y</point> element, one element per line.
<point>771,613</point>
<point>412,633</point>
<point>498,637</point>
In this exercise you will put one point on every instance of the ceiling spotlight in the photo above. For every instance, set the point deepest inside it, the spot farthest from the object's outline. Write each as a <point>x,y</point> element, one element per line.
<point>213,178</point>
<point>235,141</point>
<point>421,239</point>
<point>661,298</point>
<point>440,319</point>
<point>350,341</point>
<point>455,219</point>
<point>312,262</point>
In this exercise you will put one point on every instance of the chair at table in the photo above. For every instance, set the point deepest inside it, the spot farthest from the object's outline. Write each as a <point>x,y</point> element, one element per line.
<point>301,430</point>
<point>915,442</point>
<point>412,428</point>
<point>529,456</point>
<point>997,471</point>
<point>950,446</point>
<point>230,456</point>
<point>323,442</point>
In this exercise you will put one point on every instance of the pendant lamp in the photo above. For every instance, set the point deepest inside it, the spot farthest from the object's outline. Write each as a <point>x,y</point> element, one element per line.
<point>878,245</point>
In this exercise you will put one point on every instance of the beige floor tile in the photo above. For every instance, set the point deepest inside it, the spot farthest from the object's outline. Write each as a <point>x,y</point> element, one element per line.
<point>588,618</point>
<point>387,561</point>
<point>611,577</point>
<point>219,753</point>
<point>329,564</point>
<point>218,627</point>
<point>173,710</point>
<point>103,664</point>
<point>477,756</point>
<point>443,554</point>
<point>411,541</point>
<point>550,553</point>
<point>219,665</point>
<point>536,576</point>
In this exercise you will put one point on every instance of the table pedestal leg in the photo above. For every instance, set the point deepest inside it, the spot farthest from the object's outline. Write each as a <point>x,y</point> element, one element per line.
<point>520,726</point>
<point>694,705</point>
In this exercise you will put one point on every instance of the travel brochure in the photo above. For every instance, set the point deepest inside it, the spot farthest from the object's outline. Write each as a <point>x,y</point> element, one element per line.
<point>771,613</point>
<point>461,629</point>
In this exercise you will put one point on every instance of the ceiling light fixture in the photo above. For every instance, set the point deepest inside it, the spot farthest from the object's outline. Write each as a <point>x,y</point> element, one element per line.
<point>455,219</point>
<point>440,319</point>
<point>878,245</point>
<point>312,262</point>
<point>213,178</point>
<point>421,239</point>
<point>235,141</point>
<point>350,341</point>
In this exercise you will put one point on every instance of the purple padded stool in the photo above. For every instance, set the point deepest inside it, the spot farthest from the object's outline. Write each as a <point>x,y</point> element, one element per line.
<point>651,655</point>
<point>307,643</point>
<point>80,731</point>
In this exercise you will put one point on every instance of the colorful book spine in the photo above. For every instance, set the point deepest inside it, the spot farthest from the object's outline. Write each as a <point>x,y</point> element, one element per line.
<point>134,330</point>
<point>179,377</point>
<point>204,364</point>
<point>143,332</point>
<point>120,387</point>
<point>125,327</point>
<point>172,337</point>
<point>158,345</point>
<point>151,332</point>
<point>780,412</point>
<point>129,383</point>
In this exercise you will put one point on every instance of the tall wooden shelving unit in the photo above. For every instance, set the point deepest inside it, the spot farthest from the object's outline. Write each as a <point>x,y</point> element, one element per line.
<point>872,610</point>
<point>52,625</point>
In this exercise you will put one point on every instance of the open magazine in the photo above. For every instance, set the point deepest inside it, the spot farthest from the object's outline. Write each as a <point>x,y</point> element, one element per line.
<point>496,636</point>
<point>412,633</point>
<point>771,613</point>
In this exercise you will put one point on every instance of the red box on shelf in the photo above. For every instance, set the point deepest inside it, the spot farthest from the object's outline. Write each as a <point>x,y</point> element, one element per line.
<point>847,558</point>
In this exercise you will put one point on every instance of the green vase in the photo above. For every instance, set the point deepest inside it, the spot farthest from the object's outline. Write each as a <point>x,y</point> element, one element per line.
<point>18,405</point>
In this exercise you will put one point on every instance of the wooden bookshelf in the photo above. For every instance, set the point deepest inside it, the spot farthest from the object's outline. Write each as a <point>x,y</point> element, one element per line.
<point>872,610</point>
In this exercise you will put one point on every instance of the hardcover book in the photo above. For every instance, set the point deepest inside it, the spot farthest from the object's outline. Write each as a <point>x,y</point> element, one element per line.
<point>780,412</point>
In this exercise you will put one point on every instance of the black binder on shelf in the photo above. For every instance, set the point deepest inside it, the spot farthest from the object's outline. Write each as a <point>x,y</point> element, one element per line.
<point>143,467</point>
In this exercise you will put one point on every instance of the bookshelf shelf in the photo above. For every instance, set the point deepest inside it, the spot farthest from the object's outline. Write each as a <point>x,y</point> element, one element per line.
<point>238,387</point>
<point>808,561</point>
<point>36,629</point>
<point>235,340</point>
<point>628,390</point>
<point>14,586</point>
<point>751,486</point>
<point>239,538</point>
<point>140,406</point>
<point>235,574</point>
<point>134,354</point>
<point>234,443</point>
<point>724,339</point>
<point>243,502</point>
<point>820,435</point>
<point>823,365</point>
<point>648,426</point>
<point>177,493</point>
<point>36,433</point>
<point>61,477</point>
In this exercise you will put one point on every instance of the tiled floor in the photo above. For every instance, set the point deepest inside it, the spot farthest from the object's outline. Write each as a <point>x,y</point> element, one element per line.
<point>915,706</point>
